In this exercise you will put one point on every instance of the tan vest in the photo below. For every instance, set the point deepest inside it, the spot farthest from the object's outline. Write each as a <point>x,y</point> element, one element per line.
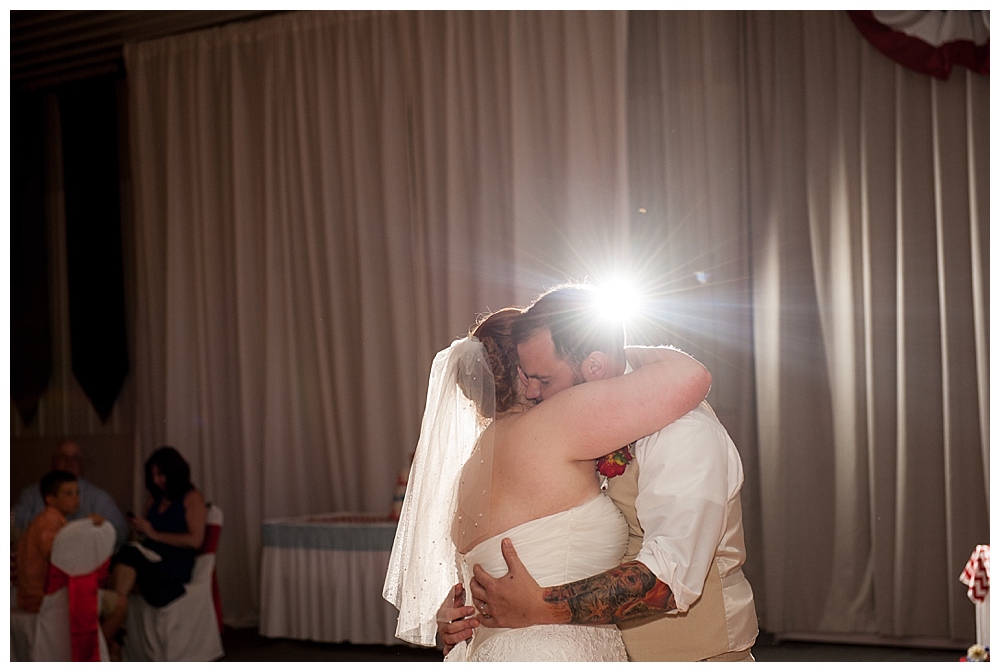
<point>700,632</point>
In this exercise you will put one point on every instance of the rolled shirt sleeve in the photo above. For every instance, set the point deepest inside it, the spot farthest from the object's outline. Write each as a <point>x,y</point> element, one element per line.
<point>689,474</point>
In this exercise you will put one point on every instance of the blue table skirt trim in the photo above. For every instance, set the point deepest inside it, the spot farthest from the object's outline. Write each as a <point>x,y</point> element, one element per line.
<point>373,537</point>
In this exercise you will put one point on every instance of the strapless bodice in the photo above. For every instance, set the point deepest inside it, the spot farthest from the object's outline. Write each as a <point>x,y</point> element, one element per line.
<point>563,547</point>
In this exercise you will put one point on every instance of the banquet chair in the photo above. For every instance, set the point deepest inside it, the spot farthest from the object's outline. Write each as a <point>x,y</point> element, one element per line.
<point>188,629</point>
<point>67,626</point>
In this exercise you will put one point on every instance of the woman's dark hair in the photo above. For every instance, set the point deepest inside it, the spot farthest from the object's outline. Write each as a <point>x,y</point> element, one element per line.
<point>52,481</point>
<point>172,465</point>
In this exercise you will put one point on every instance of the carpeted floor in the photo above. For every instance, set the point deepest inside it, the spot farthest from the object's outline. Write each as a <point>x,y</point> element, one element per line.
<point>244,645</point>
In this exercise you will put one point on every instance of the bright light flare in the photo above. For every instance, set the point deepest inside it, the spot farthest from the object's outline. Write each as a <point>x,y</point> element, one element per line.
<point>617,300</point>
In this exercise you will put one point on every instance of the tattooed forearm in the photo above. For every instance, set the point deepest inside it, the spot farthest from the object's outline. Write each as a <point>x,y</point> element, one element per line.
<point>618,595</point>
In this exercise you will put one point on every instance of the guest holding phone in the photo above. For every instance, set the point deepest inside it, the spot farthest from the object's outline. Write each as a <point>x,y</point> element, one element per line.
<point>172,532</point>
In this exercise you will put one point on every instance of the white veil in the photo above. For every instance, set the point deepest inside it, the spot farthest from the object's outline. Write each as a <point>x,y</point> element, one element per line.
<point>422,566</point>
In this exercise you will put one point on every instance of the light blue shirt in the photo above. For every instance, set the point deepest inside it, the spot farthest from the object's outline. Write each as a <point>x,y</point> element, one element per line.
<point>92,500</point>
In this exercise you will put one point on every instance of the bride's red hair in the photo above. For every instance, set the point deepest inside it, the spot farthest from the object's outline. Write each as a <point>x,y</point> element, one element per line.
<point>494,332</point>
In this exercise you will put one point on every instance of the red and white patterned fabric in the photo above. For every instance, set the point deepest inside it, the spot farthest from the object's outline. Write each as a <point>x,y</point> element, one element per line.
<point>977,574</point>
<point>929,41</point>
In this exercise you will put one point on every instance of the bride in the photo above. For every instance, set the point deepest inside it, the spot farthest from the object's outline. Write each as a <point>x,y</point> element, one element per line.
<point>490,465</point>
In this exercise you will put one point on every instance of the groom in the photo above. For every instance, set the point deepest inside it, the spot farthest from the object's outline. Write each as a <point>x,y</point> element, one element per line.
<point>680,593</point>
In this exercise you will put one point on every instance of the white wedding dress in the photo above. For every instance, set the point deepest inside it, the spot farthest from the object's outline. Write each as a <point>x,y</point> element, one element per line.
<point>566,546</point>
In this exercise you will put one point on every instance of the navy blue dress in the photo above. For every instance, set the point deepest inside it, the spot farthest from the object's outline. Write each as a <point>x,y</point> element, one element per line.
<point>160,583</point>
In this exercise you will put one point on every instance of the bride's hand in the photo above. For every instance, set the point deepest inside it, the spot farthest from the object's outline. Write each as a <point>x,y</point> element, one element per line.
<point>456,622</point>
<point>512,601</point>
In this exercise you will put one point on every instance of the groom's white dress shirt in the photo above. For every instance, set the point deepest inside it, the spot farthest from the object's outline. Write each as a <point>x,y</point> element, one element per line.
<point>689,476</point>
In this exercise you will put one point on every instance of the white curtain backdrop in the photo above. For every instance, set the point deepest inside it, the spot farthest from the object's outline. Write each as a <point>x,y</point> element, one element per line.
<point>869,214</point>
<point>325,199</point>
<point>689,230</point>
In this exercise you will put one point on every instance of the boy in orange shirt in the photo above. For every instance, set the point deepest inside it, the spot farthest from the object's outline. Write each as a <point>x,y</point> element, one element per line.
<point>62,498</point>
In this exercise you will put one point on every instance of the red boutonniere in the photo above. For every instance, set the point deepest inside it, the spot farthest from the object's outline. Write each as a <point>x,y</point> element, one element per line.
<point>614,464</point>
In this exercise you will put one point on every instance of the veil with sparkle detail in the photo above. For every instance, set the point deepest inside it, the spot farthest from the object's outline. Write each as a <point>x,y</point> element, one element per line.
<point>442,510</point>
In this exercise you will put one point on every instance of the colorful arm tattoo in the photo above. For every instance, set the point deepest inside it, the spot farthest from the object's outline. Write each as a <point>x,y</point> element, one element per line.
<point>619,595</point>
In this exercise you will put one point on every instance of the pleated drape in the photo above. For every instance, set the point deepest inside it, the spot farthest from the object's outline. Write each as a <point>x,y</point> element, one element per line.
<point>869,218</point>
<point>689,229</point>
<point>324,200</point>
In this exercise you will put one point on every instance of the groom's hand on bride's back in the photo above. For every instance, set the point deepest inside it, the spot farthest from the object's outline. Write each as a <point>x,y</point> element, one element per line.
<point>456,622</point>
<point>514,600</point>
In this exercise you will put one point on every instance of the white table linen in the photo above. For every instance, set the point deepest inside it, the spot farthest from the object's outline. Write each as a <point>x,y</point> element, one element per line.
<point>322,576</point>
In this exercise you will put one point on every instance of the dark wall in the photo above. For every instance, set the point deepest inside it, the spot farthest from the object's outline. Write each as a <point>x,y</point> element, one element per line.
<point>66,143</point>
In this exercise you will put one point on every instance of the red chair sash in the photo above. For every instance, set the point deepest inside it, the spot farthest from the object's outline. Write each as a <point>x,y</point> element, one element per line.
<point>210,545</point>
<point>84,620</point>
<point>211,542</point>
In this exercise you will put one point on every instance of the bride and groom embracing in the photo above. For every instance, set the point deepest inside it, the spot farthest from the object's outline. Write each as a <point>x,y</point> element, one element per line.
<point>535,556</point>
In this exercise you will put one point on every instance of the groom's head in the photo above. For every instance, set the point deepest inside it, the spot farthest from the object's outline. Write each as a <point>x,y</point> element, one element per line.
<point>563,340</point>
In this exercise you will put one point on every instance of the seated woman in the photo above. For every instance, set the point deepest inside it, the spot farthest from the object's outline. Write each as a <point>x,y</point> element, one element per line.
<point>174,528</point>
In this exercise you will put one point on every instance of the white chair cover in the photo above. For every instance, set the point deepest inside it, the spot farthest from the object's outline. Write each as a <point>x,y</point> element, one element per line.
<point>185,630</point>
<point>80,548</point>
